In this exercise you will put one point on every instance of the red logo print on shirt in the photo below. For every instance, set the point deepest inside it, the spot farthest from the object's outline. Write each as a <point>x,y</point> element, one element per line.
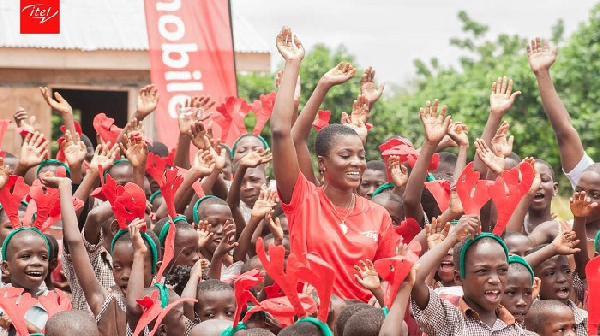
<point>40,16</point>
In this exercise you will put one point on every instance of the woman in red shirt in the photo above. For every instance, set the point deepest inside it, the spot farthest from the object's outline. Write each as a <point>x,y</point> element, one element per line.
<point>331,221</point>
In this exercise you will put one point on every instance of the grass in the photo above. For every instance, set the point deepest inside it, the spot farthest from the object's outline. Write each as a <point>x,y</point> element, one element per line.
<point>560,205</point>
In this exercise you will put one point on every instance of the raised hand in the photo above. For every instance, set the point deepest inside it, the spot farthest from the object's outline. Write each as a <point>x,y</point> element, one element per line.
<point>367,275</point>
<point>60,104</point>
<point>435,124</point>
<point>492,161</point>
<point>4,173</point>
<point>204,162</point>
<point>565,243</point>
<point>289,46</point>
<point>537,180</point>
<point>198,134</point>
<point>256,158</point>
<point>501,98</point>
<point>398,172</point>
<point>204,234</point>
<point>436,232</point>
<point>219,153</point>
<point>501,146</point>
<point>147,101</point>
<point>275,227</point>
<point>50,181</point>
<point>194,111</point>
<point>297,89</point>
<point>134,128</point>
<point>341,73</point>
<point>104,156</point>
<point>74,149</point>
<point>33,150</point>
<point>267,200</point>
<point>228,243</point>
<point>358,126</point>
<point>459,133</point>
<point>541,57</point>
<point>581,205</point>
<point>368,87</point>
<point>24,121</point>
<point>468,225</point>
<point>360,110</point>
<point>136,238</point>
<point>135,150</point>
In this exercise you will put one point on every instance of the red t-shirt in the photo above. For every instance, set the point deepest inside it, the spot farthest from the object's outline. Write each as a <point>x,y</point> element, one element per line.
<point>315,228</point>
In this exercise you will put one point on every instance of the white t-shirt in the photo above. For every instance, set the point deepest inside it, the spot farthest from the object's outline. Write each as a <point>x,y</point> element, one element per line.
<point>575,174</point>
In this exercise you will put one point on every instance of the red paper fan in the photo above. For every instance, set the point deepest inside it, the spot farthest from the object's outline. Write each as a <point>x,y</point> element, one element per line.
<point>169,250</point>
<point>440,189</point>
<point>395,269</point>
<point>408,229</point>
<point>241,288</point>
<point>230,118</point>
<point>472,200</point>
<point>322,120</point>
<point>55,302</point>
<point>507,192</point>
<point>263,108</point>
<point>592,272</point>
<point>15,304</point>
<point>105,127</point>
<point>11,195</point>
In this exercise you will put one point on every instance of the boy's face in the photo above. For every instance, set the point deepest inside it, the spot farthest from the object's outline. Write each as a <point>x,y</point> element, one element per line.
<point>251,184</point>
<point>518,245</point>
<point>557,279</point>
<point>590,183</point>
<point>186,242</point>
<point>560,322</point>
<point>216,215</point>
<point>548,188</point>
<point>123,261</point>
<point>486,270</point>
<point>246,145</point>
<point>216,305</point>
<point>447,271</point>
<point>27,261</point>
<point>517,296</point>
<point>371,180</point>
<point>395,209</point>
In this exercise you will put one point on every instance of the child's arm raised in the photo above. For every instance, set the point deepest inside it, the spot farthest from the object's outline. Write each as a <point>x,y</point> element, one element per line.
<point>285,159</point>
<point>436,232</point>
<point>74,151</point>
<point>459,132</point>
<point>467,226</point>
<point>135,285</point>
<point>136,151</point>
<point>392,324</point>
<point>203,165</point>
<point>33,151</point>
<point>563,244</point>
<point>398,174</point>
<point>191,289</point>
<point>61,106</point>
<point>262,210</point>
<point>436,126</point>
<point>301,129</point>
<point>581,207</point>
<point>570,148</point>
<point>227,244</point>
<point>94,293</point>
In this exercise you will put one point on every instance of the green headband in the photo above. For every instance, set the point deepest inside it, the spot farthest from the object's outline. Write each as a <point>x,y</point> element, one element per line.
<point>22,228</point>
<point>164,231</point>
<point>383,187</point>
<point>386,311</point>
<point>429,177</point>
<point>246,135</point>
<point>470,242</point>
<point>596,242</point>
<point>324,327</point>
<point>153,251</point>
<point>517,259</point>
<point>164,294</point>
<point>231,330</point>
<point>197,204</point>
<point>52,162</point>
<point>116,162</point>
<point>153,196</point>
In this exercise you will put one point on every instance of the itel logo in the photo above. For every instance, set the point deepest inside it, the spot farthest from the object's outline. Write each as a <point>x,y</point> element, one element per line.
<point>40,16</point>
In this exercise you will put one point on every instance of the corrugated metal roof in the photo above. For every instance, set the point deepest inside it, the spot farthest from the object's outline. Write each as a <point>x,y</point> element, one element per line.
<point>105,24</point>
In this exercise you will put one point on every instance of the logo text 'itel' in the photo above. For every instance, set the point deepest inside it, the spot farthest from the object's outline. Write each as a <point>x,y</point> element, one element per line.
<point>40,16</point>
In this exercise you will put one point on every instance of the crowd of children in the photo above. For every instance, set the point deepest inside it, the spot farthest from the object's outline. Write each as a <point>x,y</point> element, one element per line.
<point>132,238</point>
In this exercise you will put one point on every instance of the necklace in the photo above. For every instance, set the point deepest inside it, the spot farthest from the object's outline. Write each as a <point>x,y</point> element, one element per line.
<point>342,219</point>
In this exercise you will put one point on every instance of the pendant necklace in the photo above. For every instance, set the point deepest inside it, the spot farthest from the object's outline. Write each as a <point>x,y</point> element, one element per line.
<point>350,208</point>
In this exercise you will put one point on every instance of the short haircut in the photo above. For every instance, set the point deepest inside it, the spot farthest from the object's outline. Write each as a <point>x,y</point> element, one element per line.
<point>448,158</point>
<point>207,202</point>
<point>540,161</point>
<point>366,322</point>
<point>9,156</point>
<point>458,249</point>
<point>514,156</point>
<point>537,316</point>
<point>213,285</point>
<point>515,267</point>
<point>159,149</point>
<point>508,234</point>
<point>301,329</point>
<point>326,137</point>
<point>346,313</point>
<point>389,196</point>
<point>258,332</point>
<point>72,323</point>
<point>376,165</point>
<point>126,238</point>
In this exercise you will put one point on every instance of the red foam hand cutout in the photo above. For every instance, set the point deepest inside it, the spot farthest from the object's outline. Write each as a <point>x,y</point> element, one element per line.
<point>3,125</point>
<point>171,182</point>
<point>241,289</point>
<point>274,267</point>
<point>282,309</point>
<point>469,180</point>
<point>322,120</point>
<point>105,127</point>
<point>54,215</point>
<point>406,153</point>
<point>129,204</point>
<point>230,118</point>
<point>165,311</point>
<point>592,272</point>
<point>197,186</point>
<point>507,192</point>
<point>263,108</point>
<point>63,128</point>
<point>395,269</point>
<point>408,229</point>
<point>320,274</point>
<point>55,302</point>
<point>169,250</point>
<point>108,189</point>
<point>45,199</point>
<point>156,165</point>
<point>440,189</point>
<point>11,195</point>
<point>15,304</point>
<point>152,307</point>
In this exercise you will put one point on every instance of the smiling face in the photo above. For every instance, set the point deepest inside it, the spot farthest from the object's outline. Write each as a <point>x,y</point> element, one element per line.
<point>246,145</point>
<point>590,183</point>
<point>446,272</point>
<point>123,261</point>
<point>542,198</point>
<point>215,304</point>
<point>486,270</point>
<point>27,260</point>
<point>517,296</point>
<point>557,279</point>
<point>251,183</point>
<point>371,180</point>
<point>345,162</point>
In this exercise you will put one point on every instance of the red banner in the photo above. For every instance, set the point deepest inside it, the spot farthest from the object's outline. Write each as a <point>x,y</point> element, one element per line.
<point>191,53</point>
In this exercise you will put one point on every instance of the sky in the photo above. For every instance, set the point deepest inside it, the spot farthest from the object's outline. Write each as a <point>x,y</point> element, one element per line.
<point>389,35</point>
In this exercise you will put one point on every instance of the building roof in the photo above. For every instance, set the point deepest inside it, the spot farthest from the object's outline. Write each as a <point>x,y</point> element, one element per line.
<point>106,24</point>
